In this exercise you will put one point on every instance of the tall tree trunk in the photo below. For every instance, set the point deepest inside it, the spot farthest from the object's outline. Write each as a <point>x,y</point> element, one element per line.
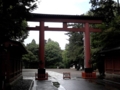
<point>118,6</point>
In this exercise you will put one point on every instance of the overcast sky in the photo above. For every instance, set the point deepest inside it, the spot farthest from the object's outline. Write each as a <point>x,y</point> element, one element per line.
<point>69,7</point>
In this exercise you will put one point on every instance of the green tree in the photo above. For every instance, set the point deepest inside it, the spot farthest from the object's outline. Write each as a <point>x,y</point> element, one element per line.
<point>53,54</point>
<point>106,8</point>
<point>31,59</point>
<point>109,36</point>
<point>13,16</point>
<point>74,50</point>
<point>33,47</point>
<point>65,57</point>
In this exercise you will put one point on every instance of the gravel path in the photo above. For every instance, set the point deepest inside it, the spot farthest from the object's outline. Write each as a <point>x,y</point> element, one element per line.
<point>22,85</point>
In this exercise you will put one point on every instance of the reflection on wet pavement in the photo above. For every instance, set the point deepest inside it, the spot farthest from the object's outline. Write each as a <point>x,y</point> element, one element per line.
<point>74,80</point>
<point>56,84</point>
<point>56,81</point>
<point>55,77</point>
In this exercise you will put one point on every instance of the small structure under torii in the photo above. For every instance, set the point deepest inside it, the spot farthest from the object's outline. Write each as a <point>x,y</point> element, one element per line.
<point>86,20</point>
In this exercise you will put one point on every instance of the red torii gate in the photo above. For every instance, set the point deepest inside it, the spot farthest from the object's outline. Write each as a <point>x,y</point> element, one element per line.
<point>41,18</point>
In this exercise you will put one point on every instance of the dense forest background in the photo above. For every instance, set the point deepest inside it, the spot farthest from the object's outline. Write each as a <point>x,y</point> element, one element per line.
<point>74,51</point>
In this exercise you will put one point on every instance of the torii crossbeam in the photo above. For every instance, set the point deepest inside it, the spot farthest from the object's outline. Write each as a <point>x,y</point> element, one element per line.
<point>42,18</point>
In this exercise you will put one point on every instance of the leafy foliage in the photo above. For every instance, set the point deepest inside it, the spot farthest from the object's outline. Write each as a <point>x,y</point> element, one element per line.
<point>33,47</point>
<point>74,50</point>
<point>30,60</point>
<point>53,54</point>
<point>109,36</point>
<point>105,8</point>
<point>65,57</point>
<point>13,16</point>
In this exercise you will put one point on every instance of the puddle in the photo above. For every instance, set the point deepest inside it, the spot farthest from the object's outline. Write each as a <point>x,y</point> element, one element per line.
<point>55,77</point>
<point>60,87</point>
<point>56,84</point>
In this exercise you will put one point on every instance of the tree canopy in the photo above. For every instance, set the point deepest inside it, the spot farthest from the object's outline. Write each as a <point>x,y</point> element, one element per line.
<point>105,8</point>
<point>74,50</point>
<point>31,59</point>
<point>13,16</point>
<point>109,36</point>
<point>53,54</point>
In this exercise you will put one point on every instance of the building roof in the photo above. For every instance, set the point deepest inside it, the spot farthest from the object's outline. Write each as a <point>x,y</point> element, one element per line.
<point>110,50</point>
<point>14,44</point>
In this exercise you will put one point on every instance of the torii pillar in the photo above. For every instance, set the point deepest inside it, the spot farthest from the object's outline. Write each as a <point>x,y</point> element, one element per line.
<point>87,46</point>
<point>41,69</point>
<point>41,18</point>
<point>41,46</point>
<point>88,73</point>
<point>87,30</point>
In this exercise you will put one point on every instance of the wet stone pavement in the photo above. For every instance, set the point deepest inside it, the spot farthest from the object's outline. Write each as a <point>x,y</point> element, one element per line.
<point>56,82</point>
